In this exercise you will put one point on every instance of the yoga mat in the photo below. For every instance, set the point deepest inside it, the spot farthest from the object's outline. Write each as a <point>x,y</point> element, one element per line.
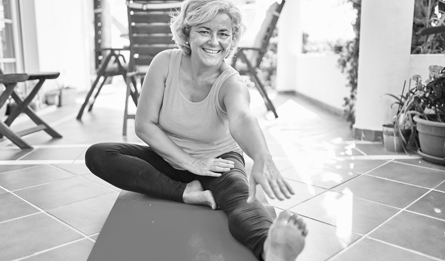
<point>140,227</point>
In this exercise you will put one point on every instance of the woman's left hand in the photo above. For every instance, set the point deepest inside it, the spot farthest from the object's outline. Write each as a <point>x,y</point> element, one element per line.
<point>265,173</point>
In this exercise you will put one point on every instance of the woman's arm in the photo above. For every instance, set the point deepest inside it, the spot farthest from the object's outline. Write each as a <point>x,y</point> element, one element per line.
<point>245,129</point>
<point>147,120</point>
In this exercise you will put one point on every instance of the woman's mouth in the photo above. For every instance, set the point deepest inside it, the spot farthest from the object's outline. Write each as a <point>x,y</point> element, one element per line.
<point>210,51</point>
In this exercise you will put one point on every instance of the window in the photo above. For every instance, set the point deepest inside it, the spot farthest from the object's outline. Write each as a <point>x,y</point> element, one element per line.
<point>9,36</point>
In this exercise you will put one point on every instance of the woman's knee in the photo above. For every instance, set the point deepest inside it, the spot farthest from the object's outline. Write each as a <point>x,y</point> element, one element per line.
<point>96,154</point>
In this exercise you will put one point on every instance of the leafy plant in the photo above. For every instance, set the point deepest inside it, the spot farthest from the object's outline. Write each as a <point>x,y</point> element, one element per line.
<point>348,62</point>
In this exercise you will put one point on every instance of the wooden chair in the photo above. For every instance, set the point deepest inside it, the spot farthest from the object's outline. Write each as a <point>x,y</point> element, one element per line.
<point>249,56</point>
<point>10,81</point>
<point>114,64</point>
<point>149,34</point>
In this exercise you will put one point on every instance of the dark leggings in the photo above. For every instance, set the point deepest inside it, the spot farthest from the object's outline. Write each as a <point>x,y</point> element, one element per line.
<point>139,169</point>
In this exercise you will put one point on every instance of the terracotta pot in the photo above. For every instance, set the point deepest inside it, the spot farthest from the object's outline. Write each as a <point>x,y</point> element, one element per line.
<point>431,137</point>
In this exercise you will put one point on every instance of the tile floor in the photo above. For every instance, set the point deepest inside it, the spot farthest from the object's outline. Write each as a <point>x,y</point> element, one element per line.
<point>359,201</point>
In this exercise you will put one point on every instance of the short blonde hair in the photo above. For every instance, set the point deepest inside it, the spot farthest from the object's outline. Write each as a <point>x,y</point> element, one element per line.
<point>196,12</point>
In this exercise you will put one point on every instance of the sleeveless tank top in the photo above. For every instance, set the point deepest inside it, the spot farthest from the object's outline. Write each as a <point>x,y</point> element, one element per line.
<point>201,128</point>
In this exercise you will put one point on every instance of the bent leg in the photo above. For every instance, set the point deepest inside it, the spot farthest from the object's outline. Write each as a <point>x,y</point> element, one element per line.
<point>135,168</point>
<point>249,223</point>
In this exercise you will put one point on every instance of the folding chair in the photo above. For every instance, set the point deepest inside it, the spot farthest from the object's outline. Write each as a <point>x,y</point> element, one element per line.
<point>114,64</point>
<point>249,57</point>
<point>149,34</point>
<point>10,81</point>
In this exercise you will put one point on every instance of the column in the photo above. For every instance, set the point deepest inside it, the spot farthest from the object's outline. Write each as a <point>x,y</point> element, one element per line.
<point>386,28</point>
<point>289,45</point>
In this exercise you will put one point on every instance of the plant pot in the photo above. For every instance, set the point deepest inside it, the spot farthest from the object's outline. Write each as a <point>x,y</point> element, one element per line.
<point>431,138</point>
<point>392,140</point>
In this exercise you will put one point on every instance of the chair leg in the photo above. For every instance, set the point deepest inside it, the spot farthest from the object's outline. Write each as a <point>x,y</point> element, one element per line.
<point>258,84</point>
<point>37,120</point>
<point>90,108</point>
<point>87,99</point>
<point>128,91</point>
<point>261,89</point>
<point>6,131</point>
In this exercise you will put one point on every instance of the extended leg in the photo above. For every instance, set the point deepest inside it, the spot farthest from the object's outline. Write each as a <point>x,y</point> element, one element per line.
<point>249,223</point>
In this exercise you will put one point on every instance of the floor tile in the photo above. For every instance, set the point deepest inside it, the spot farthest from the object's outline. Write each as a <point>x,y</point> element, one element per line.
<point>441,187</point>
<point>376,149</point>
<point>62,192</point>
<point>54,154</point>
<point>416,232</point>
<point>77,251</point>
<point>12,154</point>
<point>37,175</point>
<point>94,237</point>
<point>432,204</point>
<point>6,168</point>
<point>382,191</point>
<point>87,216</point>
<point>28,235</point>
<point>302,193</point>
<point>372,250</point>
<point>345,212</point>
<point>318,177</point>
<point>100,181</point>
<point>422,163</point>
<point>323,241</point>
<point>78,169</point>
<point>14,207</point>
<point>410,174</point>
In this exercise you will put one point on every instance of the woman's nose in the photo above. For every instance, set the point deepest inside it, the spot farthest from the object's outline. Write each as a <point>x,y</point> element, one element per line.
<point>213,40</point>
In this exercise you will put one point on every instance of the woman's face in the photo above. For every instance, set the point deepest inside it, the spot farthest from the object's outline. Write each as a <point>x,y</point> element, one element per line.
<point>210,42</point>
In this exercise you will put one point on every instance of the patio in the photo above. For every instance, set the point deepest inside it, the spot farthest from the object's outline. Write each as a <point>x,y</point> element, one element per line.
<point>359,201</point>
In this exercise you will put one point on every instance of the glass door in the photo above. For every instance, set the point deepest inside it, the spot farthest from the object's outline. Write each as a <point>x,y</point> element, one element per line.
<point>9,36</point>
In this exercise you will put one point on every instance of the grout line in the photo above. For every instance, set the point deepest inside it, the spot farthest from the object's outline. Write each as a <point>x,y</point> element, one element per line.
<point>413,165</point>
<point>379,226</point>
<point>378,157</point>
<point>410,250</point>
<point>49,249</point>
<point>40,162</point>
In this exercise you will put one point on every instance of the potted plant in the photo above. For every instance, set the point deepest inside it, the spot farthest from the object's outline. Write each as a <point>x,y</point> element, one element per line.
<point>429,102</point>
<point>400,134</point>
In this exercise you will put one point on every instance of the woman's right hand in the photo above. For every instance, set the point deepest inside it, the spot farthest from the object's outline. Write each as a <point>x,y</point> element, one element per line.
<point>210,166</point>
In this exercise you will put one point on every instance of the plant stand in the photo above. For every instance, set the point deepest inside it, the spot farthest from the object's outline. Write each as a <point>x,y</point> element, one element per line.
<point>432,140</point>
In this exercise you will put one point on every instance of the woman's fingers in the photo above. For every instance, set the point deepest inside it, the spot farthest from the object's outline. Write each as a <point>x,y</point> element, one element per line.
<point>276,189</point>
<point>284,189</point>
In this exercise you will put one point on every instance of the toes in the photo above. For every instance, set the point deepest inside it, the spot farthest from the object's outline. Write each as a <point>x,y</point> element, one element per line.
<point>284,216</point>
<point>299,222</point>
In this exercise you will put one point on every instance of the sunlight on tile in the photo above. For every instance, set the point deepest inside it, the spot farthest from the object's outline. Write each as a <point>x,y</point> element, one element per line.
<point>344,216</point>
<point>290,108</point>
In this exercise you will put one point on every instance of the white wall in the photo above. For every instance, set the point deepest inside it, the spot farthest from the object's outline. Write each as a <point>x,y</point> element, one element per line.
<point>385,42</point>
<point>319,77</point>
<point>64,31</point>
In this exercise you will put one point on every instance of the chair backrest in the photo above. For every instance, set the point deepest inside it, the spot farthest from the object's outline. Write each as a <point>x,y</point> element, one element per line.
<point>149,30</point>
<point>263,33</point>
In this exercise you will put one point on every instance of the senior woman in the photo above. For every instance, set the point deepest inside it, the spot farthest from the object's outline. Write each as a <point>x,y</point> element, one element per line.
<point>194,115</point>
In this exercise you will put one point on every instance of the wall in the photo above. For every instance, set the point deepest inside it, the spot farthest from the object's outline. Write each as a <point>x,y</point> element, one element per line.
<point>319,77</point>
<point>64,32</point>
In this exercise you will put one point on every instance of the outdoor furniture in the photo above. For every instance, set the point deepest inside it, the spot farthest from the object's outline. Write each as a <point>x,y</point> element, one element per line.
<point>149,34</point>
<point>114,64</point>
<point>250,55</point>
<point>10,81</point>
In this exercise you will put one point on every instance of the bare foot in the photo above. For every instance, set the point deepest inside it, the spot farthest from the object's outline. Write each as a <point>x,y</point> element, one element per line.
<point>286,237</point>
<point>194,194</point>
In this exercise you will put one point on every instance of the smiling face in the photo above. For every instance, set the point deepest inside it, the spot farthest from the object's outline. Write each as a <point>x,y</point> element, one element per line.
<point>210,42</point>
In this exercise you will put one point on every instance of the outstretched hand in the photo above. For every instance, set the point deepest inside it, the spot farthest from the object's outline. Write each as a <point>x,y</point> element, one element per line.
<point>211,166</point>
<point>265,173</point>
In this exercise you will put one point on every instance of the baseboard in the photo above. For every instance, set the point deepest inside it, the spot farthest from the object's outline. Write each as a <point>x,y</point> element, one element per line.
<point>316,102</point>
<point>367,135</point>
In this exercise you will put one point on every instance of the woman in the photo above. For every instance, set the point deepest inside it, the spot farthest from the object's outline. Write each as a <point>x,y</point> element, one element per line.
<point>194,114</point>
